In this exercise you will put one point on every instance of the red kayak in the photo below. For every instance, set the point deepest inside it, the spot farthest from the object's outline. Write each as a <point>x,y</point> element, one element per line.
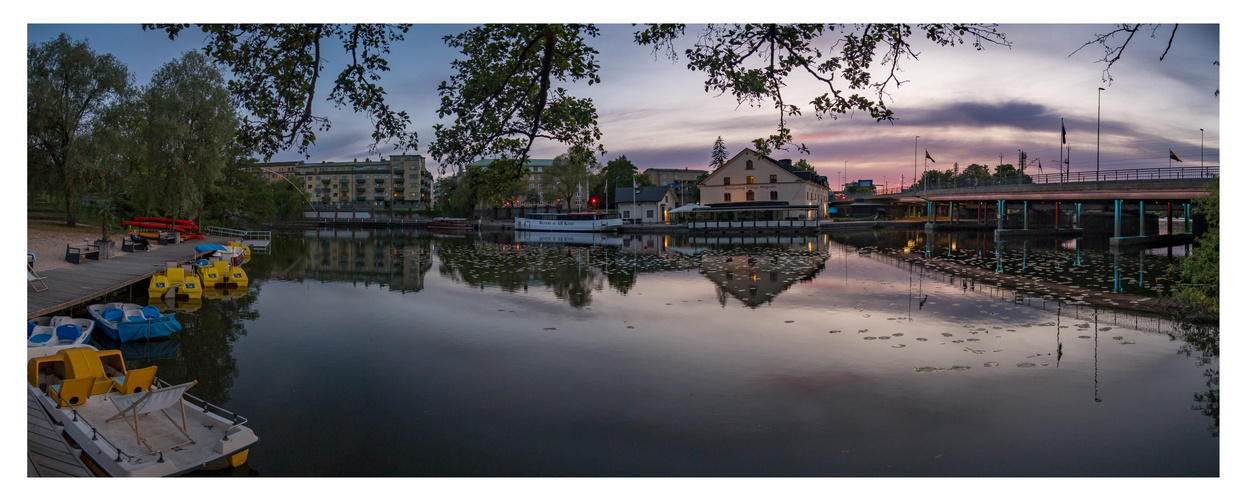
<point>167,222</point>
<point>154,225</point>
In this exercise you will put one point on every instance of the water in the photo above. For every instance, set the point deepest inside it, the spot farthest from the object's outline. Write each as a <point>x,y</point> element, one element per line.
<point>363,353</point>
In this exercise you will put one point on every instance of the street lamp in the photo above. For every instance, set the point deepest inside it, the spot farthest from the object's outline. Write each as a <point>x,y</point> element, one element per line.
<point>1098,144</point>
<point>1203,147</point>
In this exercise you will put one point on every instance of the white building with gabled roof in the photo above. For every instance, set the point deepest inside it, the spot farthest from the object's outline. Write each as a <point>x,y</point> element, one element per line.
<point>771,189</point>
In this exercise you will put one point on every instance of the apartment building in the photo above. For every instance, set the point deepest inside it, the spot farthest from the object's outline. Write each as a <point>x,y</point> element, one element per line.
<point>401,182</point>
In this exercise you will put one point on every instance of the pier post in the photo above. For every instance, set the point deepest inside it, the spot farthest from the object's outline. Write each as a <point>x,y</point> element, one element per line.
<point>1187,230</point>
<point>1118,204</point>
<point>1169,219</point>
<point>1141,218</point>
<point>1078,215</point>
<point>1026,215</point>
<point>999,214</point>
<point>1056,215</point>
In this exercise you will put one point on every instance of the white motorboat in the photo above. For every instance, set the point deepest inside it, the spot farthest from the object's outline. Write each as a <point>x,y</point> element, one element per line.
<point>129,423</point>
<point>586,222</point>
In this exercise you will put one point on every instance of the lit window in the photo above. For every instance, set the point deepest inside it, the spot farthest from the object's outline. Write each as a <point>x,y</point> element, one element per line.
<point>750,179</point>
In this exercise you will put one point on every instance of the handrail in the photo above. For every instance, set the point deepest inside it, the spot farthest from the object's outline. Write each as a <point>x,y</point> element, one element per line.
<point>1129,174</point>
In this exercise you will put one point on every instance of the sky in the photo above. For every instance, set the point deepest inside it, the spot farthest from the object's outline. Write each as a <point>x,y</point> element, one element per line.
<point>959,104</point>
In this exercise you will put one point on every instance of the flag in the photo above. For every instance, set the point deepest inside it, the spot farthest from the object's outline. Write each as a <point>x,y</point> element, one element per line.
<point>1063,132</point>
<point>927,157</point>
<point>1173,155</point>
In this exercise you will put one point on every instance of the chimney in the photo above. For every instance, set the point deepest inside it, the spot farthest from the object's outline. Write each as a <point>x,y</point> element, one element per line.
<point>784,163</point>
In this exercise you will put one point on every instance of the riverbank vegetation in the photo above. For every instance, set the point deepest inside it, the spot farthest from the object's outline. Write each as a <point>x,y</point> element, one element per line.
<point>108,151</point>
<point>1199,287</point>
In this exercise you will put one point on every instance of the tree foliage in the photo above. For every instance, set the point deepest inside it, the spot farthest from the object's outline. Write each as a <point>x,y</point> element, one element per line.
<point>190,127</point>
<point>1200,272</point>
<point>719,155</point>
<point>617,173</point>
<point>802,164</point>
<point>276,69</point>
<point>569,173</point>
<point>752,61</point>
<point>509,91</point>
<point>72,95</point>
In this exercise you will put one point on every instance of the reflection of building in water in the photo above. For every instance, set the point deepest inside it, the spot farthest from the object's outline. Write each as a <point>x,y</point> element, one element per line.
<point>400,265</point>
<point>755,277</point>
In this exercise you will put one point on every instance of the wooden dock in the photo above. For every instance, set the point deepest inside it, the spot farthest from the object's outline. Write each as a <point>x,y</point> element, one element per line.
<point>83,283</point>
<point>47,453</point>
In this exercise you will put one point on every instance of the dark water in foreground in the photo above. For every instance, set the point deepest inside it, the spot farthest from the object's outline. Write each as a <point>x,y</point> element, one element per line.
<point>356,353</point>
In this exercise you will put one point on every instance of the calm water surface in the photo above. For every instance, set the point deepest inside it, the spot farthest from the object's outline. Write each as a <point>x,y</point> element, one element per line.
<point>374,353</point>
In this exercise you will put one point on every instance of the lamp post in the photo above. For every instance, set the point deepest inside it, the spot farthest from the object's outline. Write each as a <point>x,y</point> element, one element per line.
<point>846,179</point>
<point>1098,144</point>
<point>914,159</point>
<point>1202,147</point>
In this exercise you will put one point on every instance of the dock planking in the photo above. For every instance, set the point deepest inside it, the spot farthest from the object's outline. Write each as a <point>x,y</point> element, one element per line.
<point>70,286</point>
<point>47,454</point>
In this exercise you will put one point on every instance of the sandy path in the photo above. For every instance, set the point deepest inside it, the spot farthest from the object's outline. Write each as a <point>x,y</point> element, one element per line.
<point>47,241</point>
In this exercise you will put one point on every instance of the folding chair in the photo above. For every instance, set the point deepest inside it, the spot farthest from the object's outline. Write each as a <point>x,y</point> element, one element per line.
<point>135,381</point>
<point>131,406</point>
<point>32,277</point>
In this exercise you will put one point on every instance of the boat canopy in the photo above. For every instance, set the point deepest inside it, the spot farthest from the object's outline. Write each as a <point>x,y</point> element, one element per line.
<point>208,247</point>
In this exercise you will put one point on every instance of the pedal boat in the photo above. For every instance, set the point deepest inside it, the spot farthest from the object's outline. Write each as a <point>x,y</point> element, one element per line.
<point>220,274</point>
<point>185,285</point>
<point>122,322</point>
<point>129,423</point>
<point>49,334</point>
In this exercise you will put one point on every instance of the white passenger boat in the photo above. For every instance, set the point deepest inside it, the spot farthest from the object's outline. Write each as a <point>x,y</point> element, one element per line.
<point>587,222</point>
<point>129,423</point>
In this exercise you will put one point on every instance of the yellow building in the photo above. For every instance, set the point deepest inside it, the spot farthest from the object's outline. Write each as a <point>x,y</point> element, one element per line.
<point>399,182</point>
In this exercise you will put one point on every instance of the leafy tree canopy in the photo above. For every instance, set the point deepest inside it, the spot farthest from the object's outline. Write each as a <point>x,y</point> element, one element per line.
<point>276,69</point>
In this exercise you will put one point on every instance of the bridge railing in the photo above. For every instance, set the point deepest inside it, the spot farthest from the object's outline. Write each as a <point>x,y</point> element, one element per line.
<point>1129,174</point>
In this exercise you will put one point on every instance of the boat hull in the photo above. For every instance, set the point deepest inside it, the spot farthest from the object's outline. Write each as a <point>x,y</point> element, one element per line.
<point>111,448</point>
<point>578,226</point>
<point>128,331</point>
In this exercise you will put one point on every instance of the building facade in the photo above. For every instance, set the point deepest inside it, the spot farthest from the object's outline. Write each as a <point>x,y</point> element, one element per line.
<point>278,170</point>
<point>754,182</point>
<point>643,205</point>
<point>401,182</point>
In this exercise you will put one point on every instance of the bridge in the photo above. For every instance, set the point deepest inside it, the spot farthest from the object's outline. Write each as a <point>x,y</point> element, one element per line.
<point>1073,203</point>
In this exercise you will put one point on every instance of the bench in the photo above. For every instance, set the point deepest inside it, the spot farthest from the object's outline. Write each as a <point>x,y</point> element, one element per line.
<point>168,238</point>
<point>74,255</point>
<point>134,243</point>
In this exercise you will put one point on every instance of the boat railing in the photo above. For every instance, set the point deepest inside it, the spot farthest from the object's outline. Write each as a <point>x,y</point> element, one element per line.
<point>238,233</point>
<point>235,419</point>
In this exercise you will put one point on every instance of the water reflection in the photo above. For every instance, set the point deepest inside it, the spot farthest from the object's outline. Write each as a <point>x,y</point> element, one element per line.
<point>656,354</point>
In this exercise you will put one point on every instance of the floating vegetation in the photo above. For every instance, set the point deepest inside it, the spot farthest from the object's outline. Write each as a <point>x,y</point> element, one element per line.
<point>1025,365</point>
<point>1105,328</point>
<point>959,368</point>
<point>835,331</point>
<point>921,339</point>
<point>1083,337</point>
<point>1127,342</point>
<point>864,330</point>
<point>551,328</point>
<point>945,334</point>
<point>871,338</point>
<point>900,334</point>
<point>1118,337</point>
<point>898,346</point>
<point>927,369</point>
<point>990,364</point>
<point>884,338</point>
<point>789,321</point>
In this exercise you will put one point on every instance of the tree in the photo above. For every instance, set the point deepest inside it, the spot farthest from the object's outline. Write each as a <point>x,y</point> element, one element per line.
<point>719,156</point>
<point>69,89</point>
<point>980,173</point>
<point>1200,272</point>
<point>275,70</point>
<point>568,173</point>
<point>1113,47</point>
<point>190,127</point>
<point>723,52</point>
<point>643,180</point>
<point>802,164</point>
<point>699,180</point>
<point>617,173</point>
<point>505,94</point>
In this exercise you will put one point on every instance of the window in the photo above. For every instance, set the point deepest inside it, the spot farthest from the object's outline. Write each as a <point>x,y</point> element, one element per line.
<point>750,165</point>
<point>626,214</point>
<point>772,179</point>
<point>726,181</point>
<point>772,195</point>
<point>750,179</point>
<point>727,199</point>
<point>750,195</point>
<point>650,214</point>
